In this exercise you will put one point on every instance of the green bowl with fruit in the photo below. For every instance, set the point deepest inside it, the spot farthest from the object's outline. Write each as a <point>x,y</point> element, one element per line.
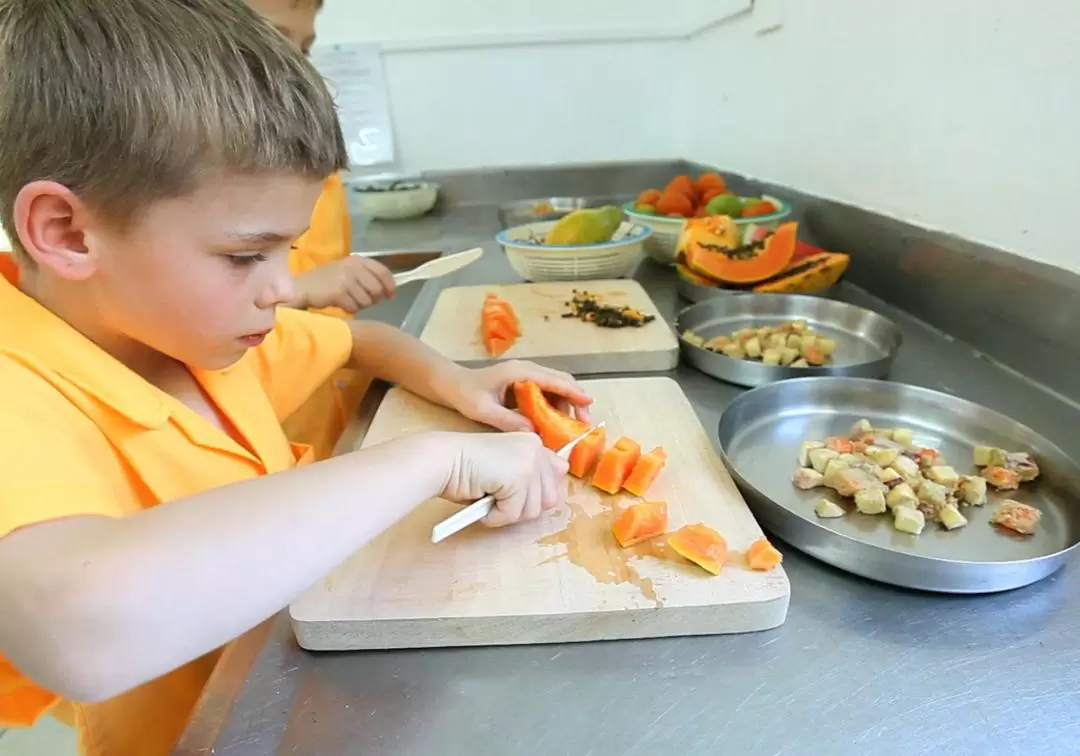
<point>666,228</point>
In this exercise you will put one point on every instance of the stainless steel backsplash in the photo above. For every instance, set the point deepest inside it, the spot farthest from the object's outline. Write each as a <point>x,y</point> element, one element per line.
<point>1023,314</point>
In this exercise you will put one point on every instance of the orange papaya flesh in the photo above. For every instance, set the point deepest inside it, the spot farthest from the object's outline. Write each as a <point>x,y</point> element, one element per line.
<point>701,545</point>
<point>585,454</point>
<point>499,326</point>
<point>556,429</point>
<point>645,471</point>
<point>496,346</point>
<point>640,522</point>
<point>615,465</point>
<point>814,272</point>
<point>745,264</point>
<point>762,555</point>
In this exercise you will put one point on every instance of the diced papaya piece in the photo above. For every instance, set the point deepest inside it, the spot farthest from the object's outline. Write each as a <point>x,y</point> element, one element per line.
<point>645,471</point>
<point>762,555</point>
<point>587,451</point>
<point>499,326</point>
<point>615,465</point>
<point>556,428</point>
<point>701,545</point>
<point>640,522</point>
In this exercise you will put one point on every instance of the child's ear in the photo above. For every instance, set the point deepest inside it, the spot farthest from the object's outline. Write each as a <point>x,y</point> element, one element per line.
<point>50,221</point>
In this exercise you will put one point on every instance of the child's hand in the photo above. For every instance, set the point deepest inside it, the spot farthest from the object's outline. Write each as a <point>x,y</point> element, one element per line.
<point>524,477</point>
<point>351,284</point>
<point>481,394</point>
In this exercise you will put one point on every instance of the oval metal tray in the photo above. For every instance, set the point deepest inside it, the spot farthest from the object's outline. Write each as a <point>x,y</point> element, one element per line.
<point>866,342</point>
<point>760,434</point>
<point>698,293</point>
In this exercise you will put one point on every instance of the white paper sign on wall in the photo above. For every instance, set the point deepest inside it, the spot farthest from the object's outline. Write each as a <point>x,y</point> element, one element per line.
<point>355,74</point>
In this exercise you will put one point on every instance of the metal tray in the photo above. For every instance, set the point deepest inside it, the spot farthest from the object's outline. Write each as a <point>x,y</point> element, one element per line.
<point>698,293</point>
<point>866,342</point>
<point>760,434</point>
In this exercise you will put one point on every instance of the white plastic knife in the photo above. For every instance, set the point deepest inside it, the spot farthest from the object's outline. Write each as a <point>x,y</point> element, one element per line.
<point>480,508</point>
<point>440,266</point>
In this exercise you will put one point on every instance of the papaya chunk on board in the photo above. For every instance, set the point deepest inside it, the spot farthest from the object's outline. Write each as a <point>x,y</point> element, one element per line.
<point>587,451</point>
<point>499,325</point>
<point>762,555</point>
<point>645,472</point>
<point>701,545</point>
<point>556,428</point>
<point>640,522</point>
<point>615,465</point>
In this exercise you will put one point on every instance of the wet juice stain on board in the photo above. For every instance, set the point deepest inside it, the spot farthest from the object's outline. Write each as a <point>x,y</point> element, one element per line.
<point>588,542</point>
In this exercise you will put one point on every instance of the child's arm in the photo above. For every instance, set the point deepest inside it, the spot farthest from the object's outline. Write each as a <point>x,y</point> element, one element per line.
<point>397,357</point>
<point>93,606</point>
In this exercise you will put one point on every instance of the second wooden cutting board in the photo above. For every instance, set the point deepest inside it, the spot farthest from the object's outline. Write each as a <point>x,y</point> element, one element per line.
<point>549,339</point>
<point>563,577</point>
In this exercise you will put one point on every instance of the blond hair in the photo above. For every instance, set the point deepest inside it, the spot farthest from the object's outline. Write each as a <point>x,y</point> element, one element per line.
<point>126,102</point>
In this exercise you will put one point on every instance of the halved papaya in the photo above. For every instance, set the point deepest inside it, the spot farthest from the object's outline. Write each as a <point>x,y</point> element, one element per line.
<point>645,471</point>
<point>640,522</point>
<point>615,465</point>
<point>741,264</point>
<point>556,428</point>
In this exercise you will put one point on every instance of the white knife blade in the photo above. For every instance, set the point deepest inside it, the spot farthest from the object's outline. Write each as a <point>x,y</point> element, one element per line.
<point>480,508</point>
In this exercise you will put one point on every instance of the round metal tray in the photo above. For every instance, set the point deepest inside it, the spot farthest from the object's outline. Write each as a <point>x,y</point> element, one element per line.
<point>760,434</point>
<point>698,293</point>
<point>866,342</point>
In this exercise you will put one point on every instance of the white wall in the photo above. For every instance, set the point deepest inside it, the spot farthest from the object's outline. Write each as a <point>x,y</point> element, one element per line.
<point>489,82</point>
<point>960,115</point>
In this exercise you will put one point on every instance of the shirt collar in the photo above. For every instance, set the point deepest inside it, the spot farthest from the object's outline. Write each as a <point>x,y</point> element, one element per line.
<point>35,334</point>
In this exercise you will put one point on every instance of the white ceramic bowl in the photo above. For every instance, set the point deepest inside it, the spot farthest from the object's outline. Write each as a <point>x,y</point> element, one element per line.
<point>666,230</point>
<point>391,203</point>
<point>573,262</point>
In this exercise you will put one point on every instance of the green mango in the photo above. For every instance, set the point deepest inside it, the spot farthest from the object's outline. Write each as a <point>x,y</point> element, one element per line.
<point>725,204</point>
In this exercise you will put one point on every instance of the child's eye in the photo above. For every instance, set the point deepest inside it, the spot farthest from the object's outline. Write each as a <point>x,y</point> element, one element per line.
<point>243,261</point>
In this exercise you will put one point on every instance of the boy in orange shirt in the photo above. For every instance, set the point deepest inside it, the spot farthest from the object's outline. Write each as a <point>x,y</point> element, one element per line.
<point>157,160</point>
<point>328,279</point>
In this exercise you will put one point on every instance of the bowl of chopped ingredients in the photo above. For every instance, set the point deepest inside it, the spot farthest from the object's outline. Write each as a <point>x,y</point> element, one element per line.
<point>585,244</point>
<point>396,200</point>
<point>665,210</point>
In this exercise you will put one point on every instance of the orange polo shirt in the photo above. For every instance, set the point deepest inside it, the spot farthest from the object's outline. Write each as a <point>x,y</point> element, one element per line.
<point>320,422</point>
<point>80,434</point>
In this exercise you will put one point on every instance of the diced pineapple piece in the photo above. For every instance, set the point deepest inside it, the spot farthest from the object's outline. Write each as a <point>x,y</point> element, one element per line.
<point>902,495</point>
<point>788,356</point>
<point>944,475</point>
<point>804,451</point>
<point>806,478</point>
<point>884,433</point>
<point>819,458</point>
<point>693,338</point>
<point>972,490</point>
<point>882,455</point>
<point>770,357</point>
<point>887,475</point>
<point>809,340</point>
<point>850,458</point>
<point>835,466</point>
<point>753,348</point>
<point>981,456</point>
<point>950,517</point>
<point>933,494</point>
<point>906,466</point>
<point>828,509</point>
<point>828,346</point>
<point>847,480</point>
<point>794,341</point>
<point>777,341</point>
<point>1023,464</point>
<point>870,501</point>
<point>903,436</point>
<point>908,520</point>
<point>734,350</point>
<point>861,428</point>
<point>798,326</point>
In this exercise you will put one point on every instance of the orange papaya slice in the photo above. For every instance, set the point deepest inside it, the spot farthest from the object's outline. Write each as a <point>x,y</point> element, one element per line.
<point>645,471</point>
<point>743,264</point>
<point>640,522</point>
<point>762,555</point>
<point>556,429</point>
<point>691,277</point>
<point>499,326</point>
<point>701,545</point>
<point>585,454</point>
<point>615,465</point>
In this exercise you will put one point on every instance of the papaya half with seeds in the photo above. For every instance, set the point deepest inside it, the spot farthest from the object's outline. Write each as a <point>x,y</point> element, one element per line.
<point>739,263</point>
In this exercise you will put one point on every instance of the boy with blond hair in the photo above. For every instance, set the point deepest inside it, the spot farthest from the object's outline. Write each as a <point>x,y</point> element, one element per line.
<point>157,160</point>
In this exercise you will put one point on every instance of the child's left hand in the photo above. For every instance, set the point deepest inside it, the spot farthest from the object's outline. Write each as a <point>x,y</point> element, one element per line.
<point>481,394</point>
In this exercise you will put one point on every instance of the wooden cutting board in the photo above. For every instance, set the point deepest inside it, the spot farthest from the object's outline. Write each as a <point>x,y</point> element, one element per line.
<point>548,338</point>
<point>560,578</point>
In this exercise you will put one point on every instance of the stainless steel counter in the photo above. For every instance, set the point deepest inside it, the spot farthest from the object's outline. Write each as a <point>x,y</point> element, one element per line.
<point>858,669</point>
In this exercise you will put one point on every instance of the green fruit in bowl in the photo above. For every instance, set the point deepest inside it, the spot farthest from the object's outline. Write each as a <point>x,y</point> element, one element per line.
<point>650,209</point>
<point>725,204</point>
